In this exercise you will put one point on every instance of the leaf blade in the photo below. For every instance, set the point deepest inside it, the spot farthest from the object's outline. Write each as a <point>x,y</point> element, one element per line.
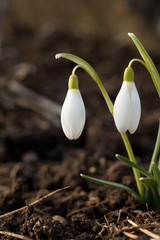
<point>156,173</point>
<point>134,165</point>
<point>111,184</point>
<point>85,65</point>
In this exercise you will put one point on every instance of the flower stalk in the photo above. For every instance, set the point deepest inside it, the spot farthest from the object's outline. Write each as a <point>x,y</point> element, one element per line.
<point>86,66</point>
<point>126,112</point>
<point>148,61</point>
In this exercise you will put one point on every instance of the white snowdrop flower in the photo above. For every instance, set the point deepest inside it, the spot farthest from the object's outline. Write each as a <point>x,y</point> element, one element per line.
<point>127,106</point>
<point>73,114</point>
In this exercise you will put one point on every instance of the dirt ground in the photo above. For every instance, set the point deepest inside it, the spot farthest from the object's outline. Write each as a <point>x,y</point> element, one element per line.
<point>36,158</point>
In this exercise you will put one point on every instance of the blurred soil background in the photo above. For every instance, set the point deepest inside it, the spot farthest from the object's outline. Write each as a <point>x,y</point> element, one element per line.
<point>35,156</point>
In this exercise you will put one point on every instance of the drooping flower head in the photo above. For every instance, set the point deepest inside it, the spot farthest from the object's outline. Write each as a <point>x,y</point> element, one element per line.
<point>127,106</point>
<point>73,110</point>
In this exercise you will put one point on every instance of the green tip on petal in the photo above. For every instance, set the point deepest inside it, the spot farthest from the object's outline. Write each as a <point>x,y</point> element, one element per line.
<point>128,75</point>
<point>73,82</point>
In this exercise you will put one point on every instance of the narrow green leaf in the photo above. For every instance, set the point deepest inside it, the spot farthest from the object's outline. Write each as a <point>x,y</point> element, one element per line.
<point>156,150</point>
<point>134,165</point>
<point>159,163</point>
<point>151,193</point>
<point>83,64</point>
<point>151,67</point>
<point>149,182</point>
<point>111,184</point>
<point>156,173</point>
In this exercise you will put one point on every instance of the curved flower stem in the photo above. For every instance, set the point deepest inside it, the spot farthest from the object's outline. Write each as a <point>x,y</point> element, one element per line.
<point>137,60</point>
<point>149,63</point>
<point>87,67</point>
<point>157,144</point>
<point>75,68</point>
<point>156,150</point>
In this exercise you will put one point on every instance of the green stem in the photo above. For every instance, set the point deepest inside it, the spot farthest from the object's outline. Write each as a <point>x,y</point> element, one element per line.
<point>87,67</point>
<point>75,68</point>
<point>132,159</point>
<point>123,135</point>
<point>149,63</point>
<point>125,140</point>
<point>156,150</point>
<point>105,94</point>
<point>137,60</point>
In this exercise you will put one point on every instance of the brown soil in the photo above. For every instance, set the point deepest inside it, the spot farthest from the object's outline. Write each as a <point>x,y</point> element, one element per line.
<point>36,158</point>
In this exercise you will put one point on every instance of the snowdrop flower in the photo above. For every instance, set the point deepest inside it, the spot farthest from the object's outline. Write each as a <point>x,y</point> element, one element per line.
<point>127,106</point>
<point>73,110</point>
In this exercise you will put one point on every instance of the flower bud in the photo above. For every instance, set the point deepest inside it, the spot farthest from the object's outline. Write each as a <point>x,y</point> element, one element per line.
<point>127,106</point>
<point>73,111</point>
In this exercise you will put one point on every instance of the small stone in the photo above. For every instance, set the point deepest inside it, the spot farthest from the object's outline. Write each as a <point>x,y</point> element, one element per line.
<point>83,194</point>
<point>30,156</point>
<point>102,161</point>
<point>92,170</point>
<point>37,224</point>
<point>58,218</point>
<point>45,229</point>
<point>93,201</point>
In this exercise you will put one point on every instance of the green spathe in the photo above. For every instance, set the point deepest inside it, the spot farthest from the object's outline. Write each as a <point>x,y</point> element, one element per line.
<point>73,82</point>
<point>128,75</point>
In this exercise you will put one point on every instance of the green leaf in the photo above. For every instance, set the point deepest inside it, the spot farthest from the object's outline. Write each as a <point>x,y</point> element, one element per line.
<point>151,193</point>
<point>150,65</point>
<point>134,165</point>
<point>156,150</point>
<point>148,182</point>
<point>159,163</point>
<point>111,184</point>
<point>83,64</point>
<point>156,173</point>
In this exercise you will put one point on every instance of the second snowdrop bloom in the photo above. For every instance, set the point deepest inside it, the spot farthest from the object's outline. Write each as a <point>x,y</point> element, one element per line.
<point>73,110</point>
<point>127,106</point>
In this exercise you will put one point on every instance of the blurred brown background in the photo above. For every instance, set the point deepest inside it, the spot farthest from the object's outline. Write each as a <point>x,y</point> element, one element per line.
<point>32,32</point>
<point>91,18</point>
<point>35,156</point>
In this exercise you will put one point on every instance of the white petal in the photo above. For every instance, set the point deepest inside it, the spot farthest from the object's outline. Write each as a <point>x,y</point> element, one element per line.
<point>121,108</point>
<point>135,110</point>
<point>73,114</point>
<point>57,56</point>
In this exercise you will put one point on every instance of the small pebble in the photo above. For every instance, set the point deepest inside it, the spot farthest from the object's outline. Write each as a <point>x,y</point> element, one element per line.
<point>29,157</point>
<point>102,161</point>
<point>92,170</point>
<point>93,201</point>
<point>45,229</point>
<point>60,219</point>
